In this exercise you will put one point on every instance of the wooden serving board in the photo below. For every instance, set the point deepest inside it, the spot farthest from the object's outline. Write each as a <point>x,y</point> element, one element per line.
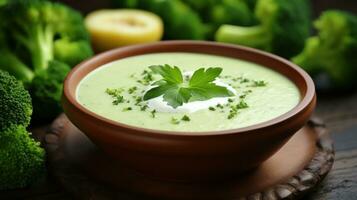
<point>83,170</point>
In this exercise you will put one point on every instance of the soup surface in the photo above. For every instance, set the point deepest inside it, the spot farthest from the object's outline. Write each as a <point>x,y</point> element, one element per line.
<point>257,94</point>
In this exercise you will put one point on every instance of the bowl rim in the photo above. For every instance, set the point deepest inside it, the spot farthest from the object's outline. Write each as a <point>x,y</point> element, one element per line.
<point>305,101</point>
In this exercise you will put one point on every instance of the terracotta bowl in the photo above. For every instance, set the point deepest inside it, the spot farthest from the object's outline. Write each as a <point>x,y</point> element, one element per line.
<point>196,156</point>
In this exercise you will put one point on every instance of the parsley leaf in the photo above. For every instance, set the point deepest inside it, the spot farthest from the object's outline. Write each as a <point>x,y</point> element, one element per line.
<point>176,92</point>
<point>168,73</point>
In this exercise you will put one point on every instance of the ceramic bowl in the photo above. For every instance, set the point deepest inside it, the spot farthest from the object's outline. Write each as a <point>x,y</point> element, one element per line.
<point>198,156</point>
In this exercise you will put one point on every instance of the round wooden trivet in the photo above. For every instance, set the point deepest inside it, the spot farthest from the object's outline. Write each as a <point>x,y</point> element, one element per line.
<point>88,174</point>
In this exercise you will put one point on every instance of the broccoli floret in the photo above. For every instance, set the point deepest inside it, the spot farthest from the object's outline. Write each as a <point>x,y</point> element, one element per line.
<point>15,102</point>
<point>72,53</point>
<point>38,25</point>
<point>284,26</point>
<point>22,160</point>
<point>333,51</point>
<point>180,21</point>
<point>234,12</point>
<point>217,12</point>
<point>35,35</point>
<point>46,91</point>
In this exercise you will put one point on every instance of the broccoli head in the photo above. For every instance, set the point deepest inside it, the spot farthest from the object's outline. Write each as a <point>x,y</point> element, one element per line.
<point>36,37</point>
<point>333,51</point>
<point>284,26</point>
<point>46,91</point>
<point>15,102</point>
<point>22,160</point>
<point>234,12</point>
<point>39,25</point>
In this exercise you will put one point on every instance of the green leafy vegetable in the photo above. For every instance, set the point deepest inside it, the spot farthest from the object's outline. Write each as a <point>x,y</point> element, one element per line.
<point>282,29</point>
<point>176,91</point>
<point>333,50</point>
<point>186,118</point>
<point>39,42</point>
<point>22,160</point>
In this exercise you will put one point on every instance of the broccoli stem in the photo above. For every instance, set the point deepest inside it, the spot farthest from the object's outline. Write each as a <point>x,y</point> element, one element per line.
<point>42,49</point>
<point>254,36</point>
<point>9,62</point>
<point>309,58</point>
<point>39,41</point>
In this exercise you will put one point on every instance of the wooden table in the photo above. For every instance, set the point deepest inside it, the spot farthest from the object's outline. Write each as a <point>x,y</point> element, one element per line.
<point>340,115</point>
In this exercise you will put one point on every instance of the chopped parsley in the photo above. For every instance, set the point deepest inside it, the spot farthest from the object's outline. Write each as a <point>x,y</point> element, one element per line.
<point>132,90</point>
<point>116,95</point>
<point>153,112</point>
<point>185,118</point>
<point>118,99</point>
<point>211,108</point>
<point>175,121</point>
<point>244,80</point>
<point>259,83</point>
<point>234,109</point>
<point>220,106</point>
<point>144,107</point>
<point>127,108</point>
<point>114,92</point>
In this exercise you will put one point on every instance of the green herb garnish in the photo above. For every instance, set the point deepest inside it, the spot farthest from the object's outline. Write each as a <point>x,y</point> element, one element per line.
<point>174,121</point>
<point>153,113</point>
<point>259,84</point>
<point>118,99</point>
<point>211,108</point>
<point>176,92</point>
<point>220,106</point>
<point>244,80</point>
<point>185,118</point>
<point>144,107</point>
<point>235,108</point>
<point>114,92</point>
<point>132,90</point>
<point>127,108</point>
<point>116,95</point>
<point>242,105</point>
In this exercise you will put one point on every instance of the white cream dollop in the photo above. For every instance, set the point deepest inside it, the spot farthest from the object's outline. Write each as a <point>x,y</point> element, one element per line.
<point>160,105</point>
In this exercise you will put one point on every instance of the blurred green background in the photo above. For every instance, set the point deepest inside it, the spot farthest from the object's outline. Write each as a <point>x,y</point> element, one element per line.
<point>318,5</point>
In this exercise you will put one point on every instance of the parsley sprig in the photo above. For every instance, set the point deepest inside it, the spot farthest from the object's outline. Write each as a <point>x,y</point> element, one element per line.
<point>176,90</point>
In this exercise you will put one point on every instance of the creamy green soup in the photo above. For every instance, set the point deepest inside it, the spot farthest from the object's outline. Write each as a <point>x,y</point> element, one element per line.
<point>115,91</point>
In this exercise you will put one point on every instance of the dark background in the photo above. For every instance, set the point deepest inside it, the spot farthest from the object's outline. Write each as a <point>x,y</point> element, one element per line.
<point>318,5</point>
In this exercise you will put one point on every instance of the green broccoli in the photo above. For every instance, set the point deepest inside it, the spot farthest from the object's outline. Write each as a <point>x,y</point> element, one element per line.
<point>333,51</point>
<point>15,102</point>
<point>35,37</point>
<point>46,90</point>
<point>234,12</point>
<point>284,26</point>
<point>180,21</point>
<point>47,29</point>
<point>22,160</point>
